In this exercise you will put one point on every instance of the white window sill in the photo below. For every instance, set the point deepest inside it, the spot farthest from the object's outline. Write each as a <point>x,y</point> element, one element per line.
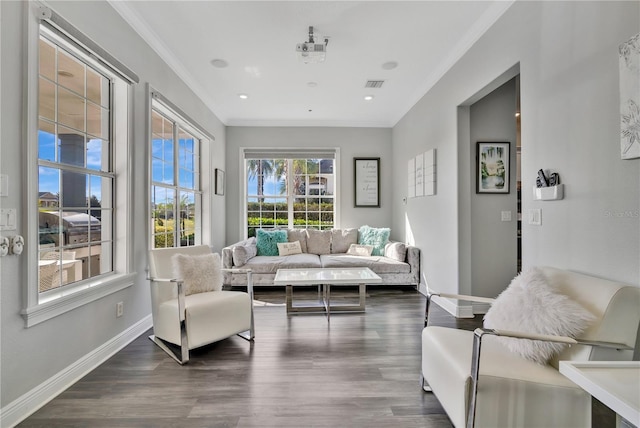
<point>76,297</point>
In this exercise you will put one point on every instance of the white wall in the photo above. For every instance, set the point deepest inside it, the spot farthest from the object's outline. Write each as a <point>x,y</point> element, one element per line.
<point>31,356</point>
<point>568,62</point>
<point>352,142</point>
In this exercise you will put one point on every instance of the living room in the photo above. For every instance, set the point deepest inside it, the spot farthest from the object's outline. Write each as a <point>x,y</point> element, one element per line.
<point>565,58</point>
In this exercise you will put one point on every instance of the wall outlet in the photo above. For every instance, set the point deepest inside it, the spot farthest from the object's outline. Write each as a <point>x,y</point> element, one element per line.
<point>119,309</point>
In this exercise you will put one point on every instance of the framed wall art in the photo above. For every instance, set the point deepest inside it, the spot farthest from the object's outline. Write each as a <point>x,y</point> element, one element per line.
<point>219,182</point>
<point>630,98</point>
<point>367,182</point>
<point>492,167</point>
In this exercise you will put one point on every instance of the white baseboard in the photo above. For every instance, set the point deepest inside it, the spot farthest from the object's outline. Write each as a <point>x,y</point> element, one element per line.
<point>455,310</point>
<point>18,410</point>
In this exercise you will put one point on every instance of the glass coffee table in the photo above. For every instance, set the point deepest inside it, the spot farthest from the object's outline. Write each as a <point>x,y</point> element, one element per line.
<point>324,279</point>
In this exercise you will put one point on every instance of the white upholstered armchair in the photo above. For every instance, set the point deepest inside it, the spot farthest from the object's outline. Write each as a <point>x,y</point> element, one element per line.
<point>482,381</point>
<point>189,308</point>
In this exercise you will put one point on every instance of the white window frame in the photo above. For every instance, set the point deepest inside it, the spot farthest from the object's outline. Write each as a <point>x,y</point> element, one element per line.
<point>203,190</point>
<point>39,308</point>
<point>288,152</point>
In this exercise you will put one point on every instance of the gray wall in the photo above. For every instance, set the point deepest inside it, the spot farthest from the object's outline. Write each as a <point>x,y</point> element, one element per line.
<point>352,142</point>
<point>31,356</point>
<point>568,63</point>
<point>493,242</point>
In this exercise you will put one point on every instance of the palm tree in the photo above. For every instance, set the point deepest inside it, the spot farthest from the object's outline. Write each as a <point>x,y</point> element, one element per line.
<point>258,168</point>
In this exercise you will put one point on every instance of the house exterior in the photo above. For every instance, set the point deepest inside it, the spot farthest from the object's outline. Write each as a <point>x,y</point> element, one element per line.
<point>565,54</point>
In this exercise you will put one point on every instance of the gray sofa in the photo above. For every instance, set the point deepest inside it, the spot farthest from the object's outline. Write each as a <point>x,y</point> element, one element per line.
<point>399,265</point>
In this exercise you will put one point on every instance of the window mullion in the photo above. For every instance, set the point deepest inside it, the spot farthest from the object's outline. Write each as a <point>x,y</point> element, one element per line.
<point>176,188</point>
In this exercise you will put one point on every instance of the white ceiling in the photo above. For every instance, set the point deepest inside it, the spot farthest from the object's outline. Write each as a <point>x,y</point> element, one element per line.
<point>257,39</point>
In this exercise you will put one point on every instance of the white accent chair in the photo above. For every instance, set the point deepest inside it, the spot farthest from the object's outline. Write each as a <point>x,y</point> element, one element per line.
<point>502,389</point>
<point>184,322</point>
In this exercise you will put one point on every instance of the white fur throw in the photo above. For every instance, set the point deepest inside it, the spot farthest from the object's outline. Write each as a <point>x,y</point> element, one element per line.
<point>531,305</point>
<point>200,273</point>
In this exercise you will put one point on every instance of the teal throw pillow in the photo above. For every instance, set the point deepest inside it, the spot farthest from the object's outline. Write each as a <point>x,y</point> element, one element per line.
<point>376,237</point>
<point>267,241</point>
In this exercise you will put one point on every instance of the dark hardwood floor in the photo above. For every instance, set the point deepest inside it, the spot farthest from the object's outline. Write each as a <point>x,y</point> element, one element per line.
<point>359,370</point>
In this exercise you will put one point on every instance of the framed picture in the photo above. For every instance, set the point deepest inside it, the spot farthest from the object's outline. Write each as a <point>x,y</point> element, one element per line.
<point>492,167</point>
<point>367,182</point>
<point>219,182</point>
<point>630,98</point>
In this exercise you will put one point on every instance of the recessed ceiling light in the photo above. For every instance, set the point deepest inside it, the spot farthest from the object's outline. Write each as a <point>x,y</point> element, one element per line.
<point>219,63</point>
<point>368,97</point>
<point>243,96</point>
<point>389,65</point>
<point>312,84</point>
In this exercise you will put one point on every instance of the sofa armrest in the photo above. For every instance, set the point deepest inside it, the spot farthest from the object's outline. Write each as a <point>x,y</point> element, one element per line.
<point>477,346</point>
<point>413,258</point>
<point>431,294</point>
<point>227,257</point>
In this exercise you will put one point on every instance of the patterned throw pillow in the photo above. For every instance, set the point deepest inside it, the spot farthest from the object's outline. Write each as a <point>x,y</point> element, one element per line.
<point>289,248</point>
<point>378,237</point>
<point>200,273</point>
<point>359,250</point>
<point>267,241</point>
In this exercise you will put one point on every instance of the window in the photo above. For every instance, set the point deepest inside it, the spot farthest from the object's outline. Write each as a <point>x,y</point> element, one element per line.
<point>77,122</point>
<point>176,199</point>
<point>292,190</point>
<point>75,169</point>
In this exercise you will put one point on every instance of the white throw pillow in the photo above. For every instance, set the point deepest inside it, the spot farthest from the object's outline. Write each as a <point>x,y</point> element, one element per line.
<point>289,248</point>
<point>531,305</point>
<point>200,273</point>
<point>360,250</point>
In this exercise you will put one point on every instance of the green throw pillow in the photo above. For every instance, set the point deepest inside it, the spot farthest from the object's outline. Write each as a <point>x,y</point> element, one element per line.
<point>376,237</point>
<point>267,241</point>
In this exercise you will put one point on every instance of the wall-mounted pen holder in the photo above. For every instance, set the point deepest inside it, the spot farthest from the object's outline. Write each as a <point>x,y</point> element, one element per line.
<point>550,193</point>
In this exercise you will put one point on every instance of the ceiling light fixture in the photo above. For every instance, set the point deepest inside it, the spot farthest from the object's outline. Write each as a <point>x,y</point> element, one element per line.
<point>312,52</point>
<point>389,65</point>
<point>312,84</point>
<point>243,96</point>
<point>219,63</point>
<point>368,97</point>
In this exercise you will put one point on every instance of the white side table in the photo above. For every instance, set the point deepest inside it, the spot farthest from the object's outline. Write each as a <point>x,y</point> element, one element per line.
<point>615,383</point>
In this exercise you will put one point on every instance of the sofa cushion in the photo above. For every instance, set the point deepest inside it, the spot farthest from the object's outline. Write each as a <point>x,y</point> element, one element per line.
<point>299,235</point>
<point>532,305</point>
<point>267,241</point>
<point>318,241</point>
<point>270,264</point>
<point>341,239</point>
<point>378,237</point>
<point>380,265</point>
<point>396,251</point>
<point>200,273</point>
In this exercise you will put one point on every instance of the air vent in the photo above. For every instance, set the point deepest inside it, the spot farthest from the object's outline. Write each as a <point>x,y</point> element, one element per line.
<point>374,84</point>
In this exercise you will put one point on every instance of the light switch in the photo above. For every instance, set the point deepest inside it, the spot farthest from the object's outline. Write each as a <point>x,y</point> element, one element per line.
<point>8,219</point>
<point>535,217</point>
<point>505,216</point>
